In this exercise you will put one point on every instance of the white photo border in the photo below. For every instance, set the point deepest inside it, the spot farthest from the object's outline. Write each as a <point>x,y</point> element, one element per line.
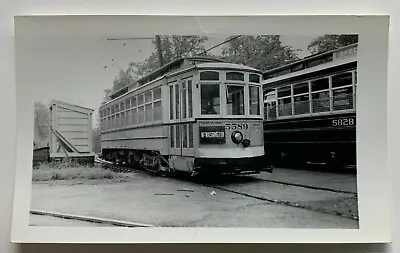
<point>373,180</point>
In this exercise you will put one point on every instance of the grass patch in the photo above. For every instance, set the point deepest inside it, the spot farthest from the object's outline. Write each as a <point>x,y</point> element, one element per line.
<point>49,172</point>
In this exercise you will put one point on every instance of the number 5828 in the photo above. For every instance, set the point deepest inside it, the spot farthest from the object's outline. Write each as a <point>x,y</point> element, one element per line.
<point>343,122</point>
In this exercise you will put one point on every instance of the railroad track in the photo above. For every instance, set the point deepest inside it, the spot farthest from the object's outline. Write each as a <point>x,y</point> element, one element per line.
<point>280,201</point>
<point>90,219</point>
<point>306,186</point>
<point>283,202</point>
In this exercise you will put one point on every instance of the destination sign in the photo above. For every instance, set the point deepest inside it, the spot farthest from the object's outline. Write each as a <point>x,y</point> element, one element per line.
<point>212,134</point>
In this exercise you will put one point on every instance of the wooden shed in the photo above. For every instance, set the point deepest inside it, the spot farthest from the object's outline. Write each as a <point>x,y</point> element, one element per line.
<point>41,155</point>
<point>71,132</point>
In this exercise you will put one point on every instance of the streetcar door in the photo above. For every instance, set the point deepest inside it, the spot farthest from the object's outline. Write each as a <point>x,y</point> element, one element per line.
<point>175,108</point>
<point>181,118</point>
<point>186,117</point>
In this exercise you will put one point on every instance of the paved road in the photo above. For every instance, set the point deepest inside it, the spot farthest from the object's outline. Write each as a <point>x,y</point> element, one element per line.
<point>173,202</point>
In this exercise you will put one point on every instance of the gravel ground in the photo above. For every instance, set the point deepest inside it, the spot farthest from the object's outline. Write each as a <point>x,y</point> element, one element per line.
<point>344,204</point>
<point>171,202</point>
<point>336,181</point>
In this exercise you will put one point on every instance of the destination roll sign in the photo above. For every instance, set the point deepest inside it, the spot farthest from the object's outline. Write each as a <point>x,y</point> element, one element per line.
<point>212,134</point>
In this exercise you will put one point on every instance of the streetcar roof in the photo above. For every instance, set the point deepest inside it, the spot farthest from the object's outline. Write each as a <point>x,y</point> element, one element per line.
<point>178,62</point>
<point>164,70</point>
<point>306,59</point>
<point>198,61</point>
<point>225,65</point>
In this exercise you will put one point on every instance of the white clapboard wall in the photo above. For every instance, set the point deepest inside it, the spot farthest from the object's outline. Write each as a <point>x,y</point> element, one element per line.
<point>71,130</point>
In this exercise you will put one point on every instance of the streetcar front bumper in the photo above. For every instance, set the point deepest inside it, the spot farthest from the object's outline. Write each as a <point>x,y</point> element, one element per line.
<point>233,165</point>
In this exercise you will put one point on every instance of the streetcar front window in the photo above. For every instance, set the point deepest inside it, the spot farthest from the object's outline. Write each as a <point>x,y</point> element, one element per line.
<point>235,100</point>
<point>210,99</point>
<point>254,100</point>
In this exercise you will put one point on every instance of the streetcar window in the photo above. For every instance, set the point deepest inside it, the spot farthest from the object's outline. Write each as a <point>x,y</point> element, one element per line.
<point>184,92</point>
<point>134,102</point>
<point>117,108</point>
<point>235,100</point>
<point>171,102</point>
<point>157,110</point>
<point>284,91</point>
<point>148,97</point>
<point>149,112</point>
<point>118,121</point>
<point>128,103</point>
<point>178,136</point>
<point>235,76</point>
<point>270,101</point>
<point>141,114</point>
<point>209,75</point>
<point>297,67</point>
<point>172,136</point>
<point>190,98</point>
<point>285,106</point>
<point>157,93</point>
<point>210,99</point>
<point>282,72</point>
<point>112,109</point>
<point>129,118</point>
<point>185,136</point>
<point>122,105</point>
<point>321,102</point>
<point>113,122</point>
<point>254,100</point>
<point>343,99</point>
<point>254,78</point>
<point>342,79</point>
<point>300,88</point>
<point>177,101</point>
<point>355,76</point>
<point>320,84</point>
<point>140,99</point>
<point>108,123</point>
<point>134,116</point>
<point>301,104</point>
<point>122,119</point>
<point>190,135</point>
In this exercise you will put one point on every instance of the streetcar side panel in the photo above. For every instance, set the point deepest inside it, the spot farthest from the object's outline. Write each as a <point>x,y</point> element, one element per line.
<point>135,121</point>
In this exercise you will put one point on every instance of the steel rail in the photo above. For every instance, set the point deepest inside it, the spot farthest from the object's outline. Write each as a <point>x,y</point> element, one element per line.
<point>90,219</point>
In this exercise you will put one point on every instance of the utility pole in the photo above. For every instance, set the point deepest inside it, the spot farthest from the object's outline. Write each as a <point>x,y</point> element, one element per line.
<point>159,51</point>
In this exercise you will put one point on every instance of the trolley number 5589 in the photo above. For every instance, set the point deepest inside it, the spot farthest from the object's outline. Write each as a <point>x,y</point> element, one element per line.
<point>343,122</point>
<point>236,126</point>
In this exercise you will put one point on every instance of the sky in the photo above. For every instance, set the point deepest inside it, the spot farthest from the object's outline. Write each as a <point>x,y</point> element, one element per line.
<point>77,69</point>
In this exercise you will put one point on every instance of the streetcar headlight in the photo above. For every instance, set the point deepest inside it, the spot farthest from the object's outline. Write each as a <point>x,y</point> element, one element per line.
<point>246,143</point>
<point>237,137</point>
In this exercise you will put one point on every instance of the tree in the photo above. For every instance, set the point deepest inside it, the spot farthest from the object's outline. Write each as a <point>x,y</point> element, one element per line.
<point>330,42</point>
<point>172,47</point>
<point>260,52</point>
<point>41,124</point>
<point>123,79</point>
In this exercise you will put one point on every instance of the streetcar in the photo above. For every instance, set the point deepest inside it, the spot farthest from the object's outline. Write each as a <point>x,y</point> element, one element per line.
<point>310,111</point>
<point>194,115</point>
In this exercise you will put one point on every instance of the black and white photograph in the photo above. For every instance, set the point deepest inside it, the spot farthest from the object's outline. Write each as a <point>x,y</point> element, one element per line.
<point>151,129</point>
